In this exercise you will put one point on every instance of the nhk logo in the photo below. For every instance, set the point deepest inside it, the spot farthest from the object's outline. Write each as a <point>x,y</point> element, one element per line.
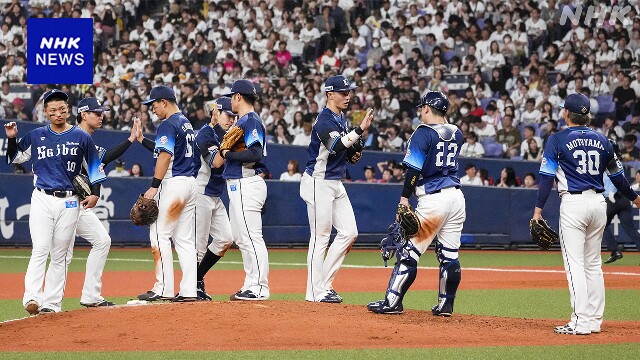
<point>60,51</point>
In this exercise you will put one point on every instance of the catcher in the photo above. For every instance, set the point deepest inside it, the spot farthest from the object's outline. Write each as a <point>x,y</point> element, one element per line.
<point>432,166</point>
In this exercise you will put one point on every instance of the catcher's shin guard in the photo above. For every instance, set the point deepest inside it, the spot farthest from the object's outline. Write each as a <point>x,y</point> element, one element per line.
<point>450,276</point>
<point>403,275</point>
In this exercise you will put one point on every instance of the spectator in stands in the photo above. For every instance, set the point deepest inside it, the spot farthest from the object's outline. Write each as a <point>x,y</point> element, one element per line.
<point>119,171</point>
<point>483,129</point>
<point>398,174</point>
<point>18,111</point>
<point>529,132</point>
<point>387,176</point>
<point>389,140</point>
<point>472,148</point>
<point>625,99</point>
<point>282,135</point>
<point>293,172</point>
<point>136,170</point>
<point>369,175</point>
<point>471,177</point>
<point>493,116</point>
<point>530,115</point>
<point>533,153</point>
<point>633,125</point>
<point>509,137</point>
<point>484,177</point>
<point>507,178</point>
<point>598,87</point>
<point>630,152</point>
<point>611,128</point>
<point>529,181</point>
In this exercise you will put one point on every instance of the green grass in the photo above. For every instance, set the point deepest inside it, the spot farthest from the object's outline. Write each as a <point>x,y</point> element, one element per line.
<point>609,351</point>
<point>16,260</point>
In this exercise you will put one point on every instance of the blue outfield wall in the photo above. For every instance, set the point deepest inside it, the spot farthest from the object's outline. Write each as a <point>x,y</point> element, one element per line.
<point>495,216</point>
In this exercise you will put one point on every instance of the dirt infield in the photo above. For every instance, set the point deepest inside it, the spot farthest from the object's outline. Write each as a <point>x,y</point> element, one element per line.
<point>219,282</point>
<point>280,325</point>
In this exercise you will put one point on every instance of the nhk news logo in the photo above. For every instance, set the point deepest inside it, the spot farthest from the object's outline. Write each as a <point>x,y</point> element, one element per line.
<point>59,51</point>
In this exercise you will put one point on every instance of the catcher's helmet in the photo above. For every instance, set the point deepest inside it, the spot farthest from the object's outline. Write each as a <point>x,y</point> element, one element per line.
<point>436,100</point>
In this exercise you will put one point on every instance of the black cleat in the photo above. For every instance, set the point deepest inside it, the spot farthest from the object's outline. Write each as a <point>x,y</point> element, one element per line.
<point>616,255</point>
<point>151,296</point>
<point>445,310</point>
<point>381,307</point>
<point>101,303</point>
<point>202,293</point>
<point>181,298</point>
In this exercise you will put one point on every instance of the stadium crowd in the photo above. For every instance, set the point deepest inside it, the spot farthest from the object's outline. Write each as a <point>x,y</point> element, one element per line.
<point>506,65</point>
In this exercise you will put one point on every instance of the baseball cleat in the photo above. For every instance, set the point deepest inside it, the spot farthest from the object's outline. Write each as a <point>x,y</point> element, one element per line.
<point>567,329</point>
<point>32,307</point>
<point>151,296</point>
<point>616,255</point>
<point>47,311</point>
<point>381,307</point>
<point>181,298</point>
<point>446,310</point>
<point>331,297</point>
<point>248,295</point>
<point>101,303</point>
<point>334,293</point>
<point>201,292</point>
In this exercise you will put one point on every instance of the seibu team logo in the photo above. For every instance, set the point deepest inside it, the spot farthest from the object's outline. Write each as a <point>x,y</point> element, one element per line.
<point>60,51</point>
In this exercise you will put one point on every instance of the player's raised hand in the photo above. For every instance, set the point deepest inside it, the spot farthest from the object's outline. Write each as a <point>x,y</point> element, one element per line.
<point>366,121</point>
<point>134,130</point>
<point>11,129</point>
<point>90,201</point>
<point>138,126</point>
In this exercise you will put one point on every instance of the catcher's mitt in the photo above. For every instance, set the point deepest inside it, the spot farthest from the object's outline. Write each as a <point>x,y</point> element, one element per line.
<point>82,186</point>
<point>354,153</point>
<point>392,243</point>
<point>144,211</point>
<point>542,234</point>
<point>408,220</point>
<point>233,140</point>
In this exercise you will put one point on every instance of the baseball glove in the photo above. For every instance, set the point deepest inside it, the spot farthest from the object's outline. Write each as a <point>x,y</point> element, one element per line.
<point>408,220</point>
<point>82,186</point>
<point>541,234</point>
<point>233,140</point>
<point>354,153</point>
<point>144,211</point>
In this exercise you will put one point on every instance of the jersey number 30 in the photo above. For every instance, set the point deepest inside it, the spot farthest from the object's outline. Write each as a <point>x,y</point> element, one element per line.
<point>452,149</point>
<point>588,162</point>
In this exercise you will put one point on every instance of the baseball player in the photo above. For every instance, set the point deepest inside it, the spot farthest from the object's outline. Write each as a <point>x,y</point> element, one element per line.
<point>211,215</point>
<point>174,188</point>
<point>578,157</point>
<point>58,152</point>
<point>618,205</point>
<point>247,192</point>
<point>90,113</point>
<point>432,166</point>
<point>321,188</point>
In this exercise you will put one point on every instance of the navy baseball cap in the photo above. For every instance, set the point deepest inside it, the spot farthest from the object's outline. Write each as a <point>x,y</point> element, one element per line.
<point>161,92</point>
<point>91,104</point>
<point>577,104</point>
<point>338,83</point>
<point>55,94</point>
<point>243,87</point>
<point>224,104</point>
<point>436,100</point>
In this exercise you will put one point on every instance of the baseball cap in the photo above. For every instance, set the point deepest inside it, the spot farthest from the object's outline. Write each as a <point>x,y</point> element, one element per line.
<point>577,104</point>
<point>54,94</point>
<point>119,162</point>
<point>224,104</point>
<point>243,87</point>
<point>369,167</point>
<point>338,83</point>
<point>91,104</point>
<point>161,92</point>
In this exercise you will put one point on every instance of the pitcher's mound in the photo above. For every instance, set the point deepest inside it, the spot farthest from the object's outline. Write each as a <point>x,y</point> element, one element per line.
<point>280,325</point>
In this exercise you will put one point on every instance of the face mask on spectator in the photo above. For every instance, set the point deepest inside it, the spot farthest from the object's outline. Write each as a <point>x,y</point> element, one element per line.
<point>375,44</point>
<point>464,111</point>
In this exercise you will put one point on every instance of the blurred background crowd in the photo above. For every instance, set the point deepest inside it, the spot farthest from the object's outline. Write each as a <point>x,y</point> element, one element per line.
<point>505,65</point>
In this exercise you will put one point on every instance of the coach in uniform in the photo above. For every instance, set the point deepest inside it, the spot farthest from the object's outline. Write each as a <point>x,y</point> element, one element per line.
<point>174,188</point>
<point>321,188</point>
<point>58,151</point>
<point>578,157</point>
<point>432,168</point>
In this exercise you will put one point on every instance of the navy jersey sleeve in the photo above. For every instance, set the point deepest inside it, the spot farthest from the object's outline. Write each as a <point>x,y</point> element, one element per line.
<point>166,138</point>
<point>208,144</point>
<point>95,169</point>
<point>549,164</point>
<point>328,133</point>
<point>417,149</point>
<point>614,166</point>
<point>253,132</point>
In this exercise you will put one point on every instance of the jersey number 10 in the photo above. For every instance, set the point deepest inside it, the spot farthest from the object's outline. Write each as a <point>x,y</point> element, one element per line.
<point>588,162</point>
<point>452,149</point>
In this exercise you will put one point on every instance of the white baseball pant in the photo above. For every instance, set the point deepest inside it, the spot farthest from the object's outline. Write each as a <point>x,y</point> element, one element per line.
<point>91,229</point>
<point>176,204</point>
<point>582,221</point>
<point>327,205</point>
<point>246,199</point>
<point>52,225</point>
<point>442,214</point>
<point>212,219</point>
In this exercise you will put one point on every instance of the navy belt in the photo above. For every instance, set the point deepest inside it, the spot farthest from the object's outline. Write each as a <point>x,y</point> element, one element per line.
<point>585,191</point>
<point>439,190</point>
<point>57,193</point>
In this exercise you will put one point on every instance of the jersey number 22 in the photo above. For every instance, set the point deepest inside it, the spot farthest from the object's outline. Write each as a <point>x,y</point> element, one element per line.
<point>452,149</point>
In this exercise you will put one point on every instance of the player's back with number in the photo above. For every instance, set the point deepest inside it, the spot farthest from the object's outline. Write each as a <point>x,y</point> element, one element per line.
<point>578,156</point>
<point>176,136</point>
<point>433,150</point>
